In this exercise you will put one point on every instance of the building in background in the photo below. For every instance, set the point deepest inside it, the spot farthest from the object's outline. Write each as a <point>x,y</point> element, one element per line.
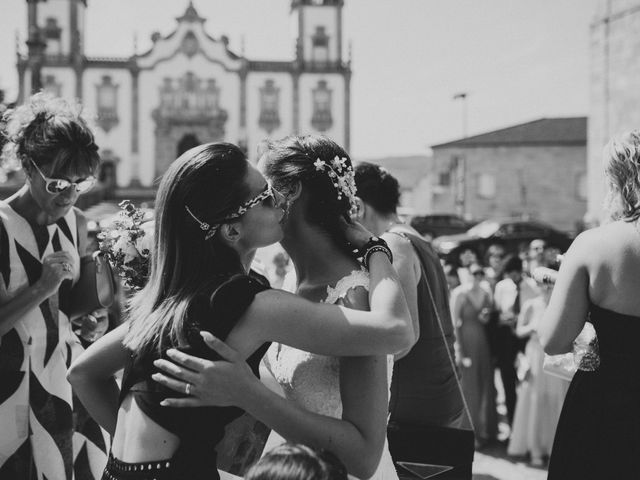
<point>614,105</point>
<point>536,170</point>
<point>190,88</point>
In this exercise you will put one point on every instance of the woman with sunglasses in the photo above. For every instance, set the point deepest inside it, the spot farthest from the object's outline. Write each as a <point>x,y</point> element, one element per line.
<point>42,237</point>
<point>213,210</point>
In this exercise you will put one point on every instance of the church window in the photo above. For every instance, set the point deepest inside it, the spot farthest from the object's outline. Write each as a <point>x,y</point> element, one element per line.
<point>269,99</point>
<point>51,29</point>
<point>107,108</point>
<point>320,46</point>
<point>321,119</point>
<point>52,86</point>
<point>189,96</point>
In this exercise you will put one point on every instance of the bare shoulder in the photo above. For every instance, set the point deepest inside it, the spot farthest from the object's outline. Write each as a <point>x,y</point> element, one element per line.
<point>598,243</point>
<point>401,248</point>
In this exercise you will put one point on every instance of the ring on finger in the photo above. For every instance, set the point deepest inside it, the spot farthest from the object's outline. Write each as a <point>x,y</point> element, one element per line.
<point>66,267</point>
<point>187,388</point>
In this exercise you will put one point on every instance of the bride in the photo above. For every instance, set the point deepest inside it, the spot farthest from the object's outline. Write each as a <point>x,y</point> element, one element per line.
<point>315,177</point>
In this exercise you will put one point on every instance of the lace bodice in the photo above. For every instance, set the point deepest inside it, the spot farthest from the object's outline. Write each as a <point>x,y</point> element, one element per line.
<point>313,381</point>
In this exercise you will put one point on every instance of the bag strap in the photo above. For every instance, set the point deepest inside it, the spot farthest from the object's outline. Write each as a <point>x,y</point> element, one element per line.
<point>444,336</point>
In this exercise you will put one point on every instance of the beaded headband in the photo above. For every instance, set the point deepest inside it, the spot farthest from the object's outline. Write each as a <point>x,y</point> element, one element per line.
<point>343,179</point>
<point>211,229</point>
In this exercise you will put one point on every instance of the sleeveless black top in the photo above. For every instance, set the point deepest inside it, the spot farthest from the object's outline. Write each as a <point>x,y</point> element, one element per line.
<point>598,434</point>
<point>423,386</point>
<point>216,309</point>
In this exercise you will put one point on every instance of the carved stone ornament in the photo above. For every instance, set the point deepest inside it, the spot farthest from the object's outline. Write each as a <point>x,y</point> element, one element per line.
<point>190,44</point>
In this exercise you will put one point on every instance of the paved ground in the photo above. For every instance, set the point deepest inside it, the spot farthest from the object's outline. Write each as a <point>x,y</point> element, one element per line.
<point>492,463</point>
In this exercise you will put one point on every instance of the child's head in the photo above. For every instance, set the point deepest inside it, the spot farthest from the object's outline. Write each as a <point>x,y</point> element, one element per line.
<point>297,462</point>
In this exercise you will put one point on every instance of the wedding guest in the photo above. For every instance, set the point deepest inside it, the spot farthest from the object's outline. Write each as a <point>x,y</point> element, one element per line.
<point>214,209</point>
<point>510,294</point>
<point>466,258</point>
<point>423,389</point>
<point>598,435</point>
<point>494,263</point>
<point>278,270</point>
<point>535,256</point>
<point>297,462</point>
<point>541,395</point>
<point>42,237</point>
<point>471,308</point>
<point>451,275</point>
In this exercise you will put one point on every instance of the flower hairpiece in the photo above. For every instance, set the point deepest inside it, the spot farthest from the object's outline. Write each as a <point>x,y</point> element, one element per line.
<point>343,179</point>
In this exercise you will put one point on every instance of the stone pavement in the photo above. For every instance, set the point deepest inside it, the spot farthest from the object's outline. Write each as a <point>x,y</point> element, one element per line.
<point>493,463</point>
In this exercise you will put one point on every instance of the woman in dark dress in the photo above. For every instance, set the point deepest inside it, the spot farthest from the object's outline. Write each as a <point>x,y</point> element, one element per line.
<point>598,435</point>
<point>213,211</point>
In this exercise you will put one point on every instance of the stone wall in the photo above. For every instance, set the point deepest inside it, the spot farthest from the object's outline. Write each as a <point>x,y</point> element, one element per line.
<point>546,183</point>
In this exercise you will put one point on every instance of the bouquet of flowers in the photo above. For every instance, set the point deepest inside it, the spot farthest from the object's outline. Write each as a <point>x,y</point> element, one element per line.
<point>127,246</point>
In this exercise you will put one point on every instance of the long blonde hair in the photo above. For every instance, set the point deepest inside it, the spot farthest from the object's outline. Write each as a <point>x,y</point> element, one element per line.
<point>210,181</point>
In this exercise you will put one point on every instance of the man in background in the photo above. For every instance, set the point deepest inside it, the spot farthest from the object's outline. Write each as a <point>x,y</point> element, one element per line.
<point>423,388</point>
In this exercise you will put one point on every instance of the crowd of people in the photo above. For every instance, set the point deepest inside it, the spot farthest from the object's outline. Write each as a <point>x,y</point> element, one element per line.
<point>367,330</point>
<point>497,308</point>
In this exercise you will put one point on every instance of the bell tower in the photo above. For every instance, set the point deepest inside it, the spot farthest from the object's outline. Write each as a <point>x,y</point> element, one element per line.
<point>318,24</point>
<point>55,42</point>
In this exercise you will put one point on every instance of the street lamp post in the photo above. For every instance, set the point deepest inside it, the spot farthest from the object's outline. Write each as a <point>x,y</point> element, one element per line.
<point>460,162</point>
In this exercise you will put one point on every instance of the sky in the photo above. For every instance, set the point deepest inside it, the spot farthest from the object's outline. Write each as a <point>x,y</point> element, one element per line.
<point>517,60</point>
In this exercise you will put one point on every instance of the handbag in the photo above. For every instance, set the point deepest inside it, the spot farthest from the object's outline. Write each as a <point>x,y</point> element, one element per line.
<point>430,451</point>
<point>96,287</point>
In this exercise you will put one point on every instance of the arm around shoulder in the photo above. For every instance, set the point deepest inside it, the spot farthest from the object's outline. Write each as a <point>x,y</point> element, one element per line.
<point>327,329</point>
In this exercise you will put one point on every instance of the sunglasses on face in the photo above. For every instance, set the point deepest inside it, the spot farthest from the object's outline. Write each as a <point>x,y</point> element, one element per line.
<point>269,197</point>
<point>59,185</point>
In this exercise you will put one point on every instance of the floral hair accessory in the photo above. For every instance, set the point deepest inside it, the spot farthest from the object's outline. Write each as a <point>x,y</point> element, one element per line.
<point>343,179</point>
<point>127,245</point>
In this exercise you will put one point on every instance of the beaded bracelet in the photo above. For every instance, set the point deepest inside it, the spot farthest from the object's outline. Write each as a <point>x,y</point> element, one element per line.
<point>375,244</point>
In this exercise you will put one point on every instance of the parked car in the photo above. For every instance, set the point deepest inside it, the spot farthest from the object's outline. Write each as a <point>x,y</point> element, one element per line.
<point>432,226</point>
<point>514,235</point>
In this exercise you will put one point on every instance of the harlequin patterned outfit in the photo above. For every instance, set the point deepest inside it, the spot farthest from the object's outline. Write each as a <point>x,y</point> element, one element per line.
<point>37,410</point>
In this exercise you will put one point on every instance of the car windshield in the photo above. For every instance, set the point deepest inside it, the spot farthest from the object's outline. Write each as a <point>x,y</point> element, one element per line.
<point>484,229</point>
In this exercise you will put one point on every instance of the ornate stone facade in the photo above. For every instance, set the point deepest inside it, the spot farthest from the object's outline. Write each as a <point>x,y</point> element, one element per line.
<point>190,87</point>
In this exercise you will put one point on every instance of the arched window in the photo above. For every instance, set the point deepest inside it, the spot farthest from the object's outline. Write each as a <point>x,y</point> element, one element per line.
<point>107,98</point>
<point>269,99</point>
<point>322,119</point>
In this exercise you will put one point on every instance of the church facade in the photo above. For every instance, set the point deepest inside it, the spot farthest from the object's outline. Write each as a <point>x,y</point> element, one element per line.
<point>190,88</point>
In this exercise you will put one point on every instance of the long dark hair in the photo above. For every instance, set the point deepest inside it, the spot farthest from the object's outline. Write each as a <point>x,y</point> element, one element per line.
<point>211,181</point>
<point>291,160</point>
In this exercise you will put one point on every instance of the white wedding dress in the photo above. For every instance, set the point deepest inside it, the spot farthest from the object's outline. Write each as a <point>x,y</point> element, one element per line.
<point>313,382</point>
